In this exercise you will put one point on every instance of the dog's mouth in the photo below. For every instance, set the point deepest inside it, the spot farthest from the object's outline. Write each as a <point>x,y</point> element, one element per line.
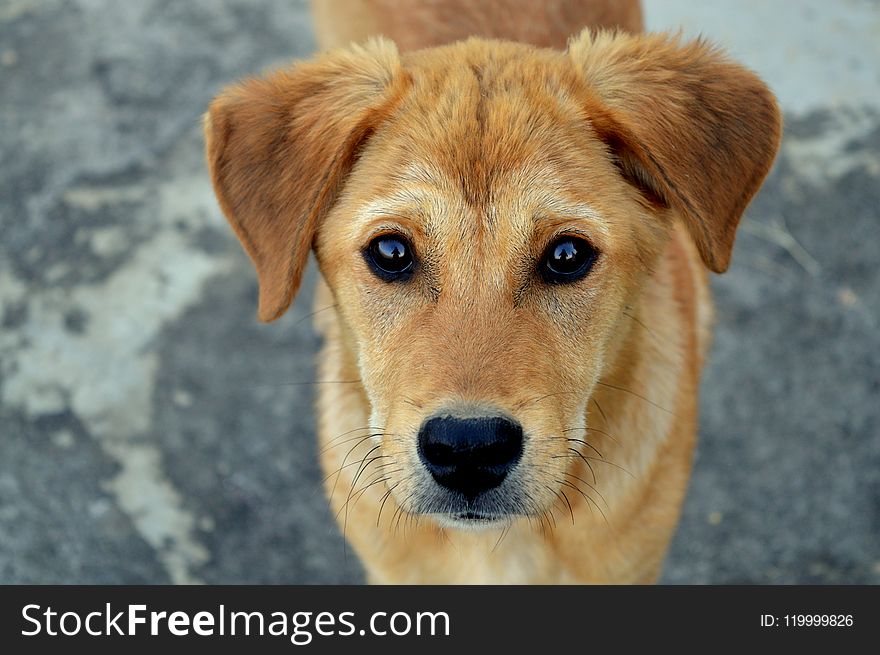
<point>495,510</point>
<point>474,516</point>
<point>470,519</point>
<point>479,517</point>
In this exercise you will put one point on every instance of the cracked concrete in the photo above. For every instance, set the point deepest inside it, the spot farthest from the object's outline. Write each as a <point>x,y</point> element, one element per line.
<point>152,431</point>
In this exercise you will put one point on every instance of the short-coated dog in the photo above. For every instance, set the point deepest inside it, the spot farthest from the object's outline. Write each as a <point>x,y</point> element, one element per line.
<point>513,206</point>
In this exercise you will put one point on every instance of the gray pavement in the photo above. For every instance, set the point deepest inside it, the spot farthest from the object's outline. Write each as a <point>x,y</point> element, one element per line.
<point>150,428</point>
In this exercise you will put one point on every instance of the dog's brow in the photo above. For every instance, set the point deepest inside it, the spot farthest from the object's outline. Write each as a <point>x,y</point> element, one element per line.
<point>419,172</point>
<point>402,203</point>
<point>568,210</point>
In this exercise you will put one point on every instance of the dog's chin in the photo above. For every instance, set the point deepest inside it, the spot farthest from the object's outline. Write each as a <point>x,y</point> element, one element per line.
<point>472,521</point>
<point>494,509</point>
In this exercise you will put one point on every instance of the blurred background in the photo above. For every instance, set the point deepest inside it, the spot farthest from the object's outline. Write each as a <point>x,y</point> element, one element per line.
<point>149,432</point>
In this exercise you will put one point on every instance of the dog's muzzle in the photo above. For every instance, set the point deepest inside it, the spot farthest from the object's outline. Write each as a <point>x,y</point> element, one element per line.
<point>469,458</point>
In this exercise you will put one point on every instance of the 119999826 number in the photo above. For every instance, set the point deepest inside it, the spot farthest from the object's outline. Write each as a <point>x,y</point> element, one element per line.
<point>807,621</point>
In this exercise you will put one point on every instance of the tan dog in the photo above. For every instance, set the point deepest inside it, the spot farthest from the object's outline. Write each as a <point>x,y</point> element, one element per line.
<point>512,241</point>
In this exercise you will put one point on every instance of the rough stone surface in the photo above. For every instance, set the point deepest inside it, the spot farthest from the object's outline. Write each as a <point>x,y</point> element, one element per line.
<point>152,431</point>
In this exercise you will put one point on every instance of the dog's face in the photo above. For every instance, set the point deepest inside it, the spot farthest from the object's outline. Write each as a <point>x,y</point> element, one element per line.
<point>484,213</point>
<point>482,279</point>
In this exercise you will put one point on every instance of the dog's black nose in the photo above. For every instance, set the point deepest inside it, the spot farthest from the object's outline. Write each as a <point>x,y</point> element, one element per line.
<point>470,455</point>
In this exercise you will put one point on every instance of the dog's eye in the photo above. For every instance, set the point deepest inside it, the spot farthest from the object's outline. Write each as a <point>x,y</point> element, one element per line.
<point>567,259</point>
<point>390,257</point>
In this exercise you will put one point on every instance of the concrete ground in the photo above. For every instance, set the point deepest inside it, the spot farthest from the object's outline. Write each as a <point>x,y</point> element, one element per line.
<point>148,430</point>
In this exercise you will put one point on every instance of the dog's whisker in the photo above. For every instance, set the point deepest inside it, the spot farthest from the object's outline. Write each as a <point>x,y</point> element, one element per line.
<point>366,460</point>
<point>354,497</point>
<point>357,495</point>
<point>587,444</point>
<point>352,431</point>
<point>357,476</point>
<point>579,490</point>
<point>314,313</point>
<point>382,475</point>
<point>532,401</point>
<point>568,503</point>
<point>338,472</point>
<point>637,395</point>
<point>566,483</point>
<point>441,532</point>
<point>504,531</point>
<point>586,428</point>
<point>563,498</point>
<point>599,407</point>
<point>385,500</point>
<point>617,466</point>
<point>603,433</point>
<point>544,523</point>
<point>540,527</point>
<point>345,466</point>
<point>586,461</point>
<point>661,341</point>
<point>548,532</point>
<point>410,401</point>
<point>399,513</point>
<point>349,440</point>
<point>410,523</point>
<point>572,475</point>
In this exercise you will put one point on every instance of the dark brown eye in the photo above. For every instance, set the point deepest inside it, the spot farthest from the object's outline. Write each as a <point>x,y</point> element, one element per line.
<point>390,257</point>
<point>567,259</point>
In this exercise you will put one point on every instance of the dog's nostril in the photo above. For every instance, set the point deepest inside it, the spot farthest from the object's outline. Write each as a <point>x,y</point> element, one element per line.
<point>470,455</point>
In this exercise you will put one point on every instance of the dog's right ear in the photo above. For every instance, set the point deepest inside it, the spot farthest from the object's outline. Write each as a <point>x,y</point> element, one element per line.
<point>280,146</point>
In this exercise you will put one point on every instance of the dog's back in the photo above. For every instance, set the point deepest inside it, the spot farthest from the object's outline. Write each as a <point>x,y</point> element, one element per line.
<point>414,24</point>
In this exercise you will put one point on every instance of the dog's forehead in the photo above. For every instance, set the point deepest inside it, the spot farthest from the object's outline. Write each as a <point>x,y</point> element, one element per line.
<point>521,201</point>
<point>488,154</point>
<point>480,109</point>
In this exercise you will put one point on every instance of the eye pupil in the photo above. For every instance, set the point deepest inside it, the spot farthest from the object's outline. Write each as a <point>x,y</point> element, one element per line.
<point>390,257</point>
<point>565,253</point>
<point>568,259</point>
<point>391,249</point>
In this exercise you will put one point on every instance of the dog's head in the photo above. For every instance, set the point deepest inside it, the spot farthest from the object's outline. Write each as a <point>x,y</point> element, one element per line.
<point>483,213</point>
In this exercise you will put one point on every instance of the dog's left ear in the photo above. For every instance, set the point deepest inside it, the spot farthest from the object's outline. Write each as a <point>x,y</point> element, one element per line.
<point>279,148</point>
<point>687,126</point>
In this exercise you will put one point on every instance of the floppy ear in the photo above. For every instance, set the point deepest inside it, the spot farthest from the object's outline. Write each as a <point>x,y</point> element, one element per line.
<point>279,147</point>
<point>691,129</point>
